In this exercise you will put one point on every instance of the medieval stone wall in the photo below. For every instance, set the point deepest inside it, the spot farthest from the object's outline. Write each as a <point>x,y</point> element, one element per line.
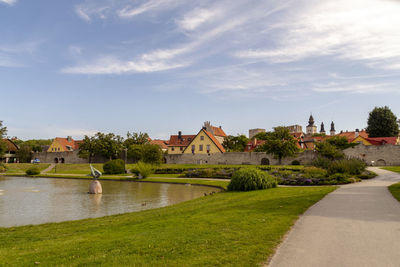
<point>247,158</point>
<point>386,155</point>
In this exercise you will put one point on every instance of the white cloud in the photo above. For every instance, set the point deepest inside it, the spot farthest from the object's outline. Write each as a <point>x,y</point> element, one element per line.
<point>9,2</point>
<point>196,17</point>
<point>82,13</point>
<point>151,5</point>
<point>351,30</point>
<point>355,88</point>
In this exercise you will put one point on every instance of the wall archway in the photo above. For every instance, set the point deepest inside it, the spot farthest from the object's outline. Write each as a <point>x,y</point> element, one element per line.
<point>264,161</point>
<point>56,160</point>
<point>380,162</point>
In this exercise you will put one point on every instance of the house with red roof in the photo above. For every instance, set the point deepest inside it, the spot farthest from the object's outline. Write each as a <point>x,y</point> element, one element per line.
<point>163,144</point>
<point>178,143</point>
<point>217,132</point>
<point>61,144</point>
<point>204,143</point>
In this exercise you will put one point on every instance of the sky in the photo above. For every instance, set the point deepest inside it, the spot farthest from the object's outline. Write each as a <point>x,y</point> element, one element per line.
<point>75,67</point>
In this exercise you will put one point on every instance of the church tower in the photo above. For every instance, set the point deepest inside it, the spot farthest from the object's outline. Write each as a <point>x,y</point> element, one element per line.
<point>333,131</point>
<point>311,128</point>
<point>322,128</point>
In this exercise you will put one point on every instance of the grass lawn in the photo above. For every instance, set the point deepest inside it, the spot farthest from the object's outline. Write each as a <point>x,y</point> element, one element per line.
<point>225,229</point>
<point>75,168</point>
<point>392,168</point>
<point>20,168</point>
<point>395,190</point>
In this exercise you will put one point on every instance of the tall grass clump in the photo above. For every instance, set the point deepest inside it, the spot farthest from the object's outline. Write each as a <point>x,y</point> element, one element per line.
<point>251,179</point>
<point>349,166</point>
<point>144,169</point>
<point>116,166</point>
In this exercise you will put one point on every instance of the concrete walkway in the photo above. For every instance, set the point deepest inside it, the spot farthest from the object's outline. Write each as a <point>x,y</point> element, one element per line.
<point>356,225</point>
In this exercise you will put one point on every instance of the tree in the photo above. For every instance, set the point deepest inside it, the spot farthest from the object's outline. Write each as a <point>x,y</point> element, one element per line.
<point>382,123</point>
<point>136,139</point>
<point>280,143</point>
<point>235,143</point>
<point>106,145</point>
<point>329,151</point>
<point>135,152</point>
<point>87,149</point>
<point>3,145</point>
<point>152,154</point>
<point>24,154</point>
<point>340,142</point>
<point>262,136</point>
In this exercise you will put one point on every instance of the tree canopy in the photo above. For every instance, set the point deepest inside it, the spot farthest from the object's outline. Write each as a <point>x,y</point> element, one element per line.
<point>235,143</point>
<point>136,139</point>
<point>3,145</point>
<point>101,144</point>
<point>382,123</point>
<point>280,143</point>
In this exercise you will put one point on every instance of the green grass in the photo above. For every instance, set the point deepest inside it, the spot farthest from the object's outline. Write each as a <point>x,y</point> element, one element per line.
<point>75,168</point>
<point>20,168</point>
<point>395,190</point>
<point>200,181</point>
<point>225,229</point>
<point>392,168</point>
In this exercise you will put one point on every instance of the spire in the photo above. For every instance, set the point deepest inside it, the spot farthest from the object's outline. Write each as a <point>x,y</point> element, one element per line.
<point>333,127</point>
<point>311,121</point>
<point>322,128</point>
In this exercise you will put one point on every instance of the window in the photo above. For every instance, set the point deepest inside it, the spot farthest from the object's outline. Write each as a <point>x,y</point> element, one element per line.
<point>208,148</point>
<point>202,138</point>
<point>193,148</point>
<point>172,148</point>
<point>200,147</point>
<point>181,148</point>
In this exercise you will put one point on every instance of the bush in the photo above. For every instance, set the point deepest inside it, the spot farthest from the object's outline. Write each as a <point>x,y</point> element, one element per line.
<point>367,175</point>
<point>3,167</point>
<point>251,179</point>
<point>116,166</point>
<point>295,162</point>
<point>322,162</point>
<point>33,171</point>
<point>152,154</point>
<point>314,172</point>
<point>143,169</point>
<point>350,166</point>
<point>339,177</point>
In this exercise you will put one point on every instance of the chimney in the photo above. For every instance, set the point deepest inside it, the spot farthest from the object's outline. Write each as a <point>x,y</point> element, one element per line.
<point>69,138</point>
<point>179,135</point>
<point>357,133</point>
<point>254,142</point>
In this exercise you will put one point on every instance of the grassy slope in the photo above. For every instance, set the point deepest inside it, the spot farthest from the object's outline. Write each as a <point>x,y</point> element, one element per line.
<point>226,229</point>
<point>19,168</point>
<point>395,190</point>
<point>392,168</point>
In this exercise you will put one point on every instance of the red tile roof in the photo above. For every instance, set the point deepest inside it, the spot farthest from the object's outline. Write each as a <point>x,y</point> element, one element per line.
<point>11,146</point>
<point>253,144</point>
<point>218,131</point>
<point>379,141</point>
<point>218,144</point>
<point>352,135</point>
<point>184,141</point>
<point>74,145</point>
<point>162,143</point>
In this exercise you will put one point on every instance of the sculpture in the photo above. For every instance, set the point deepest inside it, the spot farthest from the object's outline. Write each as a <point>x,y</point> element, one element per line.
<point>95,186</point>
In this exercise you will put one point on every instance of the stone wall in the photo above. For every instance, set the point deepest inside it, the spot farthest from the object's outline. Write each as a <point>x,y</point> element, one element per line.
<point>386,155</point>
<point>248,158</point>
<point>65,157</point>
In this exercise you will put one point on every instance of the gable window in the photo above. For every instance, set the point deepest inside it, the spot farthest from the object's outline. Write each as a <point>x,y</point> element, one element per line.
<point>208,148</point>
<point>202,138</point>
<point>193,148</point>
<point>200,147</point>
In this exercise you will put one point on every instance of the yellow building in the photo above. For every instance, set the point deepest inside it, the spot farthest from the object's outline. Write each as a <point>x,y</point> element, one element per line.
<point>377,141</point>
<point>178,143</point>
<point>204,143</point>
<point>63,144</point>
<point>361,140</point>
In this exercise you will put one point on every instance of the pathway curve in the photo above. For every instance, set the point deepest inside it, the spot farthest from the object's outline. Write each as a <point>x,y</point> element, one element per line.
<point>356,225</point>
<point>48,168</point>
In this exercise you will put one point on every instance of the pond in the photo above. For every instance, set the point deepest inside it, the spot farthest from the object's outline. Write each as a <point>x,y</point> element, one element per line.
<point>26,201</point>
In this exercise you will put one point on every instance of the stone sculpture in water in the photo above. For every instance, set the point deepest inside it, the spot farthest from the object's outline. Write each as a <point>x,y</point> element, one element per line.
<point>95,186</point>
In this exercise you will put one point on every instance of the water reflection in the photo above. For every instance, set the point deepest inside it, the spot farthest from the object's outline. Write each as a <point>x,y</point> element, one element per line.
<point>38,200</point>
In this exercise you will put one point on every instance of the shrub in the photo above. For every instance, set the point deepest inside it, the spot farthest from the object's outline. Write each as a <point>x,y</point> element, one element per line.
<point>116,166</point>
<point>339,177</point>
<point>295,162</point>
<point>350,166</point>
<point>33,171</point>
<point>322,162</point>
<point>314,172</point>
<point>251,179</point>
<point>3,167</point>
<point>144,169</point>
<point>367,175</point>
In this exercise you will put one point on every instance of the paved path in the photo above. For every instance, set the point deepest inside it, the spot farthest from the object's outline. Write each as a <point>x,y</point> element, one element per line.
<point>49,168</point>
<point>356,225</point>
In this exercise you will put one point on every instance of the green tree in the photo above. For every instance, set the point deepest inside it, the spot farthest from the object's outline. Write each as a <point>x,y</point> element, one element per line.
<point>340,142</point>
<point>108,145</point>
<point>329,150</point>
<point>152,154</point>
<point>235,143</point>
<point>382,123</point>
<point>262,136</point>
<point>87,149</point>
<point>3,145</point>
<point>24,154</point>
<point>136,139</point>
<point>135,152</point>
<point>280,143</point>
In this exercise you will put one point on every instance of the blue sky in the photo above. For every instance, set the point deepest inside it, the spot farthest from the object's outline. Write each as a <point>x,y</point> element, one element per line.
<point>80,66</point>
